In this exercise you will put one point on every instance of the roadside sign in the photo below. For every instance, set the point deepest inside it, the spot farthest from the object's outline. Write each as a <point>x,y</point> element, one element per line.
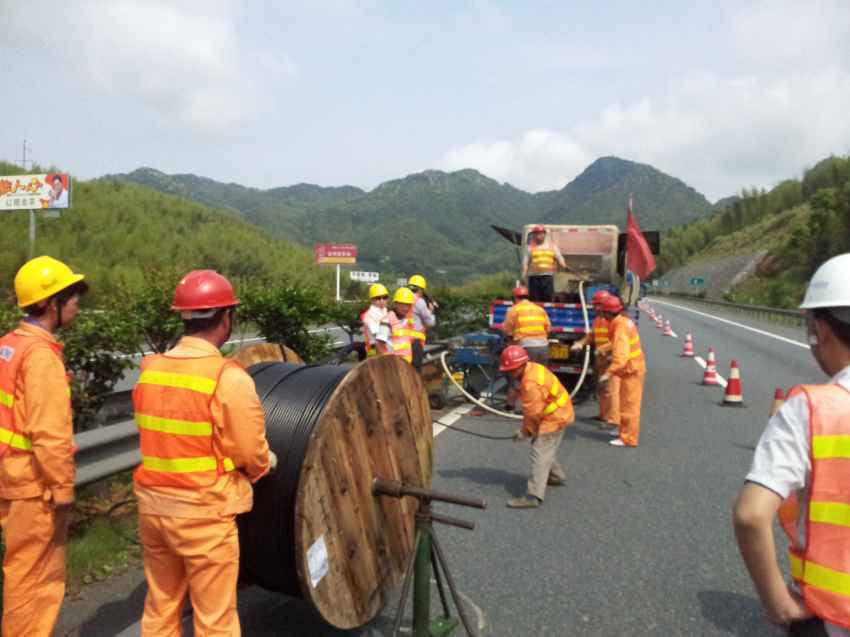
<point>32,192</point>
<point>400,283</point>
<point>696,282</point>
<point>655,283</point>
<point>364,277</point>
<point>335,253</point>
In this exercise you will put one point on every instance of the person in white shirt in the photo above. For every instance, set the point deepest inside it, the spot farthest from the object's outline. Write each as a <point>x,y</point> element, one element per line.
<point>374,316</point>
<point>58,194</point>
<point>809,436</point>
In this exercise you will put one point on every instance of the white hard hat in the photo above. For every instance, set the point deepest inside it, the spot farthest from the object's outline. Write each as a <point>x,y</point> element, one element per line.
<point>830,285</point>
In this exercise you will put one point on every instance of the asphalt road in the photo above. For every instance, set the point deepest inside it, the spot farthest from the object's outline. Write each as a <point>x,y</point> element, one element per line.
<point>639,541</point>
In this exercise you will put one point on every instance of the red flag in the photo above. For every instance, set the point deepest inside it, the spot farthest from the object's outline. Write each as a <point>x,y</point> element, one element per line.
<point>639,258</point>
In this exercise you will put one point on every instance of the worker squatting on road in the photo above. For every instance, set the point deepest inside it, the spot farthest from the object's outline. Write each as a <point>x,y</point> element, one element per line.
<point>371,318</point>
<point>422,314</point>
<point>629,365</point>
<point>36,448</point>
<point>800,475</point>
<point>547,411</point>
<point>527,325</point>
<point>540,264</point>
<point>203,443</point>
<point>395,334</point>
<point>608,394</point>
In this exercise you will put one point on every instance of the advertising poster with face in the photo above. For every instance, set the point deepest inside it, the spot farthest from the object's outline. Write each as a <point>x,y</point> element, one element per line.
<point>31,192</point>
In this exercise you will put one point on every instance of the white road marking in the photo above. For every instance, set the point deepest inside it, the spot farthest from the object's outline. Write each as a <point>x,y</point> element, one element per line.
<point>741,325</point>
<point>720,380</point>
<point>452,418</point>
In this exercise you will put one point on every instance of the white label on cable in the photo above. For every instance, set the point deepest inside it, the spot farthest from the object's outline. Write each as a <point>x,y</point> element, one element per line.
<point>317,561</point>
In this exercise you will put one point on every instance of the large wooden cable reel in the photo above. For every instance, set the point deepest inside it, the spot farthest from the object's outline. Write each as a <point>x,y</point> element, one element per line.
<point>316,531</point>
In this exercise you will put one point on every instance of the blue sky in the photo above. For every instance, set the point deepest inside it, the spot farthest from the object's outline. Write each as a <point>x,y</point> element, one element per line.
<point>721,94</point>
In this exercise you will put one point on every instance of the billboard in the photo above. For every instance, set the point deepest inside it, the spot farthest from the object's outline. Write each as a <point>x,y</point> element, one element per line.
<point>30,192</point>
<point>335,253</point>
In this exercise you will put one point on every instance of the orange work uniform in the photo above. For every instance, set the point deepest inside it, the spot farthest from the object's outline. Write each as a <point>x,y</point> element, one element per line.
<point>819,558</point>
<point>526,321</point>
<point>36,473</point>
<point>608,393</point>
<point>627,362</point>
<point>401,335</point>
<point>202,433</point>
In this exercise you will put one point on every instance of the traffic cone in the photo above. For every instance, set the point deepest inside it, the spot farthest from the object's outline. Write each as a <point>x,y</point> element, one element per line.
<point>668,330</point>
<point>778,401</point>
<point>710,375</point>
<point>688,350</point>
<point>734,396</point>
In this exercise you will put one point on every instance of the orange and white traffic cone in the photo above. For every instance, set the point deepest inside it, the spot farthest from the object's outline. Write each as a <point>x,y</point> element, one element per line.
<point>688,350</point>
<point>710,375</point>
<point>659,323</point>
<point>778,401</point>
<point>734,396</point>
<point>668,330</point>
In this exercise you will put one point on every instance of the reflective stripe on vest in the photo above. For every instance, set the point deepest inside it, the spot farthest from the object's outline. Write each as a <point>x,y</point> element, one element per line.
<point>542,259</point>
<point>600,331</point>
<point>172,403</point>
<point>14,348</point>
<point>531,320</point>
<point>635,351</point>
<point>822,565</point>
<point>557,395</point>
<point>622,322</point>
<point>400,336</point>
<point>419,335</point>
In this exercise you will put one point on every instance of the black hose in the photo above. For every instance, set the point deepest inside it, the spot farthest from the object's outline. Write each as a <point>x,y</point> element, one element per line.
<point>293,398</point>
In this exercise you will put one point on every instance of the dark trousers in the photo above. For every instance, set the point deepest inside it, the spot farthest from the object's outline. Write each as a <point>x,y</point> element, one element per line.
<point>541,289</point>
<point>418,354</point>
<point>810,628</point>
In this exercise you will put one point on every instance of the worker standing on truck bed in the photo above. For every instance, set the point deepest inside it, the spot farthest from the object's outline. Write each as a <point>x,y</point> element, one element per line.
<point>627,363</point>
<point>422,313</point>
<point>203,442</point>
<point>608,393</point>
<point>799,474</point>
<point>546,412</point>
<point>36,448</point>
<point>527,325</point>
<point>372,317</point>
<point>540,264</point>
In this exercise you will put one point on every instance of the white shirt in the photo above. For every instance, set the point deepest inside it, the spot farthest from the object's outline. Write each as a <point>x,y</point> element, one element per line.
<point>372,320</point>
<point>422,315</point>
<point>61,201</point>
<point>782,462</point>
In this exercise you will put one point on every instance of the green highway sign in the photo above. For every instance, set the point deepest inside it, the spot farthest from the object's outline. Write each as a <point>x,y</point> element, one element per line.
<point>696,282</point>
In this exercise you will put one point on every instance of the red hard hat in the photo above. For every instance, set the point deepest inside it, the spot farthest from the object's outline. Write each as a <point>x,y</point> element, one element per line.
<point>539,228</point>
<point>598,296</point>
<point>513,356</point>
<point>611,304</point>
<point>203,290</point>
<point>520,292</point>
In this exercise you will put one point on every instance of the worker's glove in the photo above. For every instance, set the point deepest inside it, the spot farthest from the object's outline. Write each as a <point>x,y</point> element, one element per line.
<point>575,347</point>
<point>603,380</point>
<point>272,461</point>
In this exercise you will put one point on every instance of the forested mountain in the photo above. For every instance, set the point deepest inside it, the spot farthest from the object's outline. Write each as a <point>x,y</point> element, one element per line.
<point>116,230</point>
<point>440,222</point>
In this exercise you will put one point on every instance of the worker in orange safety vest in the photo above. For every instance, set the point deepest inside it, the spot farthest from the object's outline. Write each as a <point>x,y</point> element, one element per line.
<point>540,264</point>
<point>527,325</point>
<point>608,394</point>
<point>546,412</point>
<point>800,475</point>
<point>372,317</point>
<point>203,443</point>
<point>36,448</point>
<point>627,363</point>
<point>396,333</point>
<point>422,313</point>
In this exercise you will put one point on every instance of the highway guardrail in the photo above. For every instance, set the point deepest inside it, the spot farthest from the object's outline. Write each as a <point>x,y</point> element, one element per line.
<point>790,317</point>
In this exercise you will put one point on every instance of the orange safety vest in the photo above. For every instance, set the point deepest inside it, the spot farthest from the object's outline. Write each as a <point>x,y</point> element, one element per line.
<point>621,322</point>
<point>14,349</point>
<point>415,333</point>
<point>401,337</point>
<point>172,403</point>
<point>542,259</point>
<point>531,321</point>
<point>600,331</point>
<point>821,566</point>
<point>558,412</point>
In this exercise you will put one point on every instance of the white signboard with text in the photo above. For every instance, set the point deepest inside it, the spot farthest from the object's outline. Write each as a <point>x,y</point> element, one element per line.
<point>364,277</point>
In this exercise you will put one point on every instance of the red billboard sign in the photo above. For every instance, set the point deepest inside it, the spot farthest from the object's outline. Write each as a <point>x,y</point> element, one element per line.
<point>335,253</point>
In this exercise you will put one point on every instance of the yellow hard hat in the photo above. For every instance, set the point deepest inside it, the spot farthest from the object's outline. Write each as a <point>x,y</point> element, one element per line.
<point>404,295</point>
<point>419,281</point>
<point>42,277</point>
<point>376,289</point>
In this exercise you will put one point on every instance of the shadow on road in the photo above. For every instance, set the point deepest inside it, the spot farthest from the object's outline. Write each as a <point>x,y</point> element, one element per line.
<point>112,616</point>
<point>515,483</point>
<point>735,614</point>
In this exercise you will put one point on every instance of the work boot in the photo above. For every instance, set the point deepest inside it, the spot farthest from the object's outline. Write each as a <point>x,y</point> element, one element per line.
<point>555,481</point>
<point>524,502</point>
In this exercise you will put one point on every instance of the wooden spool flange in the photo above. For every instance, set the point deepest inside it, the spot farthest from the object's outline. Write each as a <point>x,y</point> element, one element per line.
<point>264,353</point>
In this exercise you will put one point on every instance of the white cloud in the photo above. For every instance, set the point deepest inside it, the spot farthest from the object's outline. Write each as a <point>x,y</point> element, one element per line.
<point>184,60</point>
<point>781,111</point>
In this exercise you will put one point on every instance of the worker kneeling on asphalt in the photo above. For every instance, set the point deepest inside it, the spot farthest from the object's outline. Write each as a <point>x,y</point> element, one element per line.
<point>527,325</point>
<point>800,475</point>
<point>395,335</point>
<point>203,443</point>
<point>546,412</point>
<point>629,365</point>
<point>608,394</point>
<point>36,448</point>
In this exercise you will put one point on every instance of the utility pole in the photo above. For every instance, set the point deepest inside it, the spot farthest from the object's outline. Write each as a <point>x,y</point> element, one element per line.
<point>23,163</point>
<point>24,159</point>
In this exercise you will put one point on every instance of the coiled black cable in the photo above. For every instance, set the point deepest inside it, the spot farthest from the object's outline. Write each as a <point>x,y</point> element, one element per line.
<point>293,397</point>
